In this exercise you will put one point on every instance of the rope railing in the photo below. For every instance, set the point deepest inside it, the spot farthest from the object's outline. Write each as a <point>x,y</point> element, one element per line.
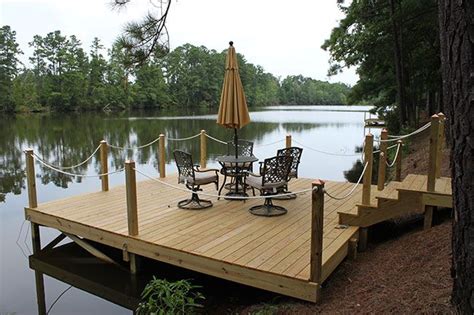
<point>44,163</point>
<point>133,148</point>
<point>353,188</point>
<point>396,138</point>
<point>184,139</point>
<point>398,145</point>
<point>323,152</point>
<point>268,144</point>
<point>219,196</point>
<point>76,165</point>
<point>215,139</point>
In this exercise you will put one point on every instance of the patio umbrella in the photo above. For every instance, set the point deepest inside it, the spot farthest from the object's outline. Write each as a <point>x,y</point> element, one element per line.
<point>233,111</point>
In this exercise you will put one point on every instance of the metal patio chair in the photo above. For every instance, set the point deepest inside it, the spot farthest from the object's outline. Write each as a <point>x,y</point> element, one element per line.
<point>296,153</point>
<point>272,180</point>
<point>193,178</point>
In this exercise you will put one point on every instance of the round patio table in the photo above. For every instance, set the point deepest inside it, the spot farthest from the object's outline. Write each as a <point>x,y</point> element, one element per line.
<point>231,161</point>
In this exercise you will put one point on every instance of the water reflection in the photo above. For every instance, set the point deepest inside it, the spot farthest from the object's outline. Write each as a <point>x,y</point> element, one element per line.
<point>67,139</point>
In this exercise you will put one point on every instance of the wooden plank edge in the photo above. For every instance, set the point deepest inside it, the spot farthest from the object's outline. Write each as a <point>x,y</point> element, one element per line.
<point>334,260</point>
<point>294,287</point>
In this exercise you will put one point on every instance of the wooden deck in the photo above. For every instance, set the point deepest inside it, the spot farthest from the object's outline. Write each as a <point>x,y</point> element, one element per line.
<point>226,241</point>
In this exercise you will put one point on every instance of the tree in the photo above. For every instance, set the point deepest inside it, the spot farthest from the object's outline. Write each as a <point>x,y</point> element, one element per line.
<point>148,37</point>
<point>456,22</point>
<point>9,52</point>
<point>395,45</point>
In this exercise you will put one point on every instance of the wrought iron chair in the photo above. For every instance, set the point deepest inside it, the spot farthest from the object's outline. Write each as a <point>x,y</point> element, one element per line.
<point>232,170</point>
<point>193,178</point>
<point>272,180</point>
<point>296,153</point>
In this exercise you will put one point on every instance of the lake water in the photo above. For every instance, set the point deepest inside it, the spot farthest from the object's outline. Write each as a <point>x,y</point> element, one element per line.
<point>329,136</point>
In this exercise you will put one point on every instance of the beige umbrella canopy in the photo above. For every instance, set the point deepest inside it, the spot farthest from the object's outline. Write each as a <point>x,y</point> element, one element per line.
<point>233,111</point>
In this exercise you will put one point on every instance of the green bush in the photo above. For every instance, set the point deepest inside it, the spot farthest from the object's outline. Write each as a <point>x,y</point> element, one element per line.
<point>161,297</point>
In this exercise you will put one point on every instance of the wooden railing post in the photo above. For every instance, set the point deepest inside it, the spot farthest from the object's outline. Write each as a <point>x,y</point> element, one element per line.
<point>288,141</point>
<point>203,149</point>
<point>317,221</point>
<point>398,162</point>
<point>31,179</point>
<point>434,142</point>
<point>382,160</point>
<point>441,139</point>
<point>132,206</point>
<point>35,230</point>
<point>432,166</point>
<point>367,180</point>
<point>104,168</point>
<point>162,156</point>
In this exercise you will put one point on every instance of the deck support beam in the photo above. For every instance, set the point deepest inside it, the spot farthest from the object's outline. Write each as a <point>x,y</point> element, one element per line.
<point>91,249</point>
<point>55,242</point>
<point>35,229</point>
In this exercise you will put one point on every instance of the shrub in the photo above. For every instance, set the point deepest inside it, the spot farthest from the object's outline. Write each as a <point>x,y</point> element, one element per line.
<point>161,297</point>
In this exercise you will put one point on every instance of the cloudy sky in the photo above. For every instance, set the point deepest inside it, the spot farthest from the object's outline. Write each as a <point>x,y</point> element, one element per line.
<point>284,37</point>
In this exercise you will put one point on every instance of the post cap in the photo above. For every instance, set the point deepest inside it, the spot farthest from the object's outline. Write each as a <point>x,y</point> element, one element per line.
<point>318,182</point>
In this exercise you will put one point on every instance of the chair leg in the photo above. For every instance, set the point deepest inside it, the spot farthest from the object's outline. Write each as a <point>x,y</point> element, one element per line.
<point>223,184</point>
<point>268,209</point>
<point>194,203</point>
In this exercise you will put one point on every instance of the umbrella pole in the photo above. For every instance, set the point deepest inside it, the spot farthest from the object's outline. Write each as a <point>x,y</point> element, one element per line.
<point>236,143</point>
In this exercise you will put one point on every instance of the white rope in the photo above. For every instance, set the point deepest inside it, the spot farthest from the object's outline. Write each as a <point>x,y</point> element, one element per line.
<point>77,165</point>
<point>135,148</point>
<point>353,188</point>
<point>396,155</point>
<point>184,139</point>
<point>222,196</point>
<point>72,174</point>
<point>57,299</point>
<point>323,152</point>
<point>215,139</point>
<point>396,138</point>
<point>268,144</point>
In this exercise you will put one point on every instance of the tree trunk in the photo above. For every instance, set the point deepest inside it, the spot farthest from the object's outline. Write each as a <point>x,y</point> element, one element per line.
<point>456,20</point>
<point>398,65</point>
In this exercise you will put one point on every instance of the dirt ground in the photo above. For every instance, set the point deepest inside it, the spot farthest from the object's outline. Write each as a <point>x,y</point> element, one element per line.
<point>405,270</point>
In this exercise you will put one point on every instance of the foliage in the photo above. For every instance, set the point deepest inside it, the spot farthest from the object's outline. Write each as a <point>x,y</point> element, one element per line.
<point>9,52</point>
<point>395,45</point>
<point>64,77</point>
<point>161,297</point>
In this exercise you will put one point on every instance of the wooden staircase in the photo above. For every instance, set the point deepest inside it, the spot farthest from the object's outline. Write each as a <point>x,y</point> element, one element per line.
<point>398,199</point>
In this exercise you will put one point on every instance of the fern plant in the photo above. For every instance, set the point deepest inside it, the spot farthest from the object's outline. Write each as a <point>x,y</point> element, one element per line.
<point>161,297</point>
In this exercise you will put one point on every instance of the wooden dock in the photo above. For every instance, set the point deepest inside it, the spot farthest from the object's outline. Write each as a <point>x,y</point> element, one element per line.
<point>291,254</point>
<point>271,253</point>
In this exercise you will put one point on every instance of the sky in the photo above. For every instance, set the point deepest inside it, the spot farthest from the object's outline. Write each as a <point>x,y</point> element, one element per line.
<point>284,37</point>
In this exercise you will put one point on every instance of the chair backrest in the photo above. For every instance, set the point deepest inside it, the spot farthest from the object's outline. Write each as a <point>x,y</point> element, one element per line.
<point>244,147</point>
<point>276,169</point>
<point>184,163</point>
<point>294,152</point>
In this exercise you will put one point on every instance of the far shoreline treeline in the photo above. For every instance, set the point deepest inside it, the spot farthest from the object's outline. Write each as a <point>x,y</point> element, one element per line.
<point>63,77</point>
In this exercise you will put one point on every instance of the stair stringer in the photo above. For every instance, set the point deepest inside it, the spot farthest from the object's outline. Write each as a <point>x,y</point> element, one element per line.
<point>408,202</point>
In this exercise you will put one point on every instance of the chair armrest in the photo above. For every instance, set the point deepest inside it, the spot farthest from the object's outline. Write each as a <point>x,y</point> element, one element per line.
<point>207,170</point>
